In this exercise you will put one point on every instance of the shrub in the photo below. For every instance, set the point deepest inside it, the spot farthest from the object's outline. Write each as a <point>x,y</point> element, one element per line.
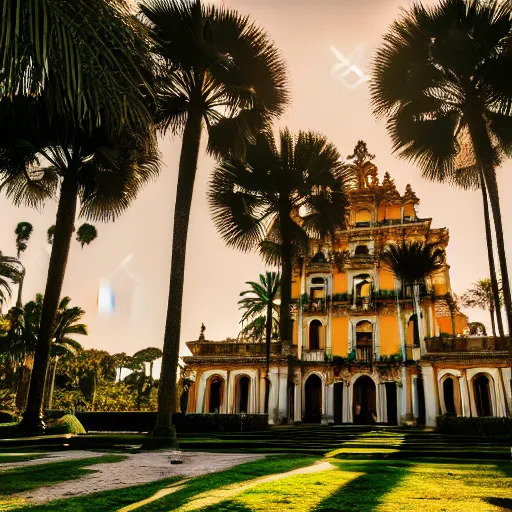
<point>68,424</point>
<point>483,427</point>
<point>190,423</point>
<point>8,417</point>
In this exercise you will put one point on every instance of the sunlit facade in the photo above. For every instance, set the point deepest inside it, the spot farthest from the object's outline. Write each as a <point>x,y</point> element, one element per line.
<point>345,363</point>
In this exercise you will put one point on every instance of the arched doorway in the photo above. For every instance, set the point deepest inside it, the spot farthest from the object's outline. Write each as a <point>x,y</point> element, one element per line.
<point>391,401</point>
<point>364,341</point>
<point>338,403</point>
<point>449,397</point>
<point>313,396</point>
<point>481,388</point>
<point>215,394</point>
<point>242,394</point>
<point>315,328</point>
<point>364,405</point>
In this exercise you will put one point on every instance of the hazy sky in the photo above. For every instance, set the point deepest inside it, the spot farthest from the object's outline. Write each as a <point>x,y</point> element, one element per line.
<point>215,275</point>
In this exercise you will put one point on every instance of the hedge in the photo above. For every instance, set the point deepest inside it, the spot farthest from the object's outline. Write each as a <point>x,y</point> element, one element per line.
<point>68,424</point>
<point>484,426</point>
<point>7,417</point>
<point>187,423</point>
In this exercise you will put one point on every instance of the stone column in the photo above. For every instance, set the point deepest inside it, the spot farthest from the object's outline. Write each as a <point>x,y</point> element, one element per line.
<point>382,410</point>
<point>346,413</point>
<point>282,394</point>
<point>430,396</point>
<point>297,415</point>
<point>329,411</point>
<point>464,395</point>
<point>405,402</point>
<point>229,406</point>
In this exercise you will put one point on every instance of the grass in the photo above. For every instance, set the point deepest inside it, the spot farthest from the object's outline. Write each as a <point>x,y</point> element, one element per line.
<point>8,458</point>
<point>26,478</point>
<point>383,486</point>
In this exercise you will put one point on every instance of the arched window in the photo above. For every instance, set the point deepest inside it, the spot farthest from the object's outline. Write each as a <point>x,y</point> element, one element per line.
<point>315,331</point>
<point>364,341</point>
<point>362,286</point>
<point>362,250</point>
<point>215,394</point>
<point>242,394</point>
<point>317,288</point>
<point>449,396</point>
<point>363,218</point>
<point>482,395</point>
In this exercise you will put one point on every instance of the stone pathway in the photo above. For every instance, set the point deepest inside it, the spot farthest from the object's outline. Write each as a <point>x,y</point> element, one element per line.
<point>52,457</point>
<point>136,469</point>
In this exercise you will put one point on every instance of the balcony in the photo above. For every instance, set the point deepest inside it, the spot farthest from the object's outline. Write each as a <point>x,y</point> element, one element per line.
<point>231,349</point>
<point>313,355</point>
<point>468,344</point>
<point>364,354</point>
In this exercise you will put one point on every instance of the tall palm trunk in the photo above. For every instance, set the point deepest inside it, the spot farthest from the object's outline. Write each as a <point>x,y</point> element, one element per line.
<point>268,341</point>
<point>286,275</point>
<point>32,417</point>
<point>401,332</point>
<point>19,303</point>
<point>484,156</point>
<point>52,384</point>
<point>493,324</point>
<point>490,256</point>
<point>186,177</point>
<point>419,319</point>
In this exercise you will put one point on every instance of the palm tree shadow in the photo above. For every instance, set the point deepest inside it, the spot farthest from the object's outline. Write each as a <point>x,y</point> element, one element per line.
<point>366,491</point>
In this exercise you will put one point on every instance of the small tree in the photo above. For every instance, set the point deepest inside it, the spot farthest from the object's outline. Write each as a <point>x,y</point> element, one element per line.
<point>260,300</point>
<point>86,233</point>
<point>481,296</point>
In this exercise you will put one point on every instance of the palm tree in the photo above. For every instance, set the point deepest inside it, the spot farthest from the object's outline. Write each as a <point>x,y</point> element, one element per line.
<point>11,271</point>
<point>412,263</point>
<point>23,231</point>
<point>66,325</point>
<point>260,300</point>
<point>104,171</point>
<point>86,233</point>
<point>225,74</point>
<point>89,56</point>
<point>440,79</point>
<point>481,296</point>
<point>256,201</point>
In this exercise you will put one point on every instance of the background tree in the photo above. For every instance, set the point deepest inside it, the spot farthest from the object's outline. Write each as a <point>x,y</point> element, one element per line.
<point>86,233</point>
<point>480,296</point>
<point>412,263</point>
<point>148,355</point>
<point>11,271</point>
<point>256,200</point>
<point>223,72</point>
<point>442,79</point>
<point>23,231</point>
<point>258,301</point>
<point>104,171</point>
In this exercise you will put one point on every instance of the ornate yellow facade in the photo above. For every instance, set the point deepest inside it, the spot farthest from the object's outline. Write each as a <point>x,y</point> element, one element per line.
<point>344,363</point>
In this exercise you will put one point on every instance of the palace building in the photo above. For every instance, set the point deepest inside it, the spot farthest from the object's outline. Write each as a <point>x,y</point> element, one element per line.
<point>344,364</point>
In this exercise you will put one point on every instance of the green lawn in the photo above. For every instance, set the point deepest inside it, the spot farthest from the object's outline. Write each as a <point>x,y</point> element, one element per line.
<point>323,485</point>
<point>8,458</point>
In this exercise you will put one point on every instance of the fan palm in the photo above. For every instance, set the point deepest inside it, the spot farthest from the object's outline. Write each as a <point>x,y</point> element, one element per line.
<point>90,57</point>
<point>412,262</point>
<point>223,72</point>
<point>104,171</point>
<point>481,296</point>
<point>442,79</point>
<point>256,201</point>
<point>23,231</point>
<point>11,271</point>
<point>260,300</point>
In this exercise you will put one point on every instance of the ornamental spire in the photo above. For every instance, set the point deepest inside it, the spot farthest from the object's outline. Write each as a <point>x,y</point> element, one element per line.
<point>410,197</point>
<point>365,170</point>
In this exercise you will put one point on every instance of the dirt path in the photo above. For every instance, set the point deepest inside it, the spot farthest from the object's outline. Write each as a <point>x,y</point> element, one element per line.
<point>52,457</point>
<point>136,469</point>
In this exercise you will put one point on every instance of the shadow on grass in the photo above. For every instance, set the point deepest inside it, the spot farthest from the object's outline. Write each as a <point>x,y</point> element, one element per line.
<point>26,478</point>
<point>238,474</point>
<point>366,491</point>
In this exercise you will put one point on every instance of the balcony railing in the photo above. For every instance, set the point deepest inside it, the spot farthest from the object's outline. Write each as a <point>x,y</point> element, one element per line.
<point>468,344</point>
<point>364,354</point>
<point>224,348</point>
<point>313,355</point>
